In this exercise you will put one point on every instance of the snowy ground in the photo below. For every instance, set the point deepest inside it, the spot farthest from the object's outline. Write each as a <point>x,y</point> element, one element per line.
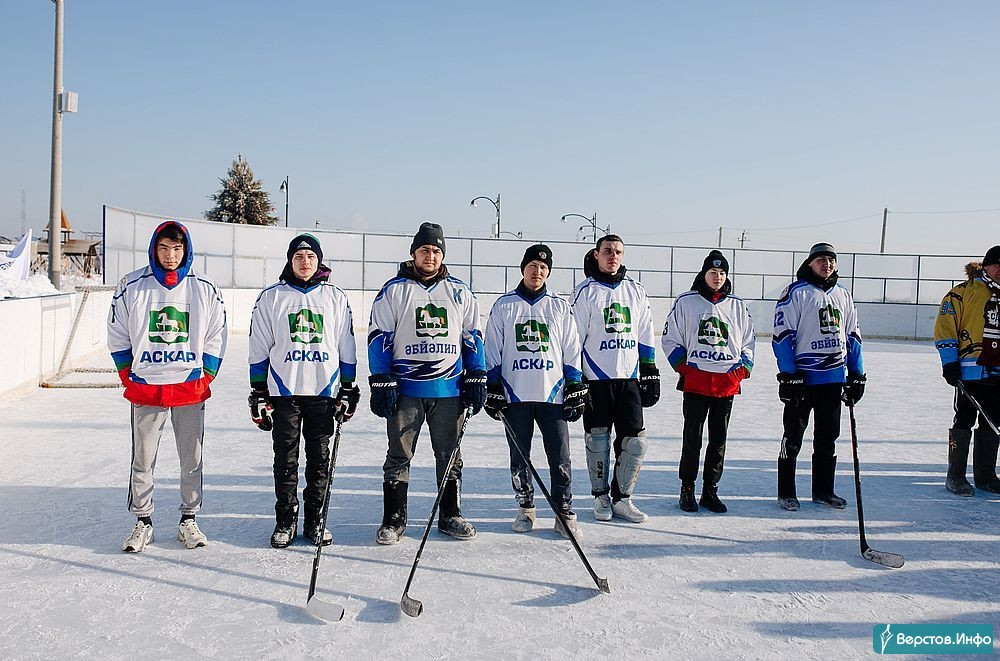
<point>757,582</point>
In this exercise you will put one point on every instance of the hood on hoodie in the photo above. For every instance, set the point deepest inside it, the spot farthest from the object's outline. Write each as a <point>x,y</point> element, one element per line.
<point>171,279</point>
<point>973,270</point>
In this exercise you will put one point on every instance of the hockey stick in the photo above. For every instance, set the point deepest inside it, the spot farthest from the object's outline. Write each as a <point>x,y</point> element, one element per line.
<point>982,413</point>
<point>884,558</point>
<point>314,605</point>
<point>602,583</point>
<point>411,606</point>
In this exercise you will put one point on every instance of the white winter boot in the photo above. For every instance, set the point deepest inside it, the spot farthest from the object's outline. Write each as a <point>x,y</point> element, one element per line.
<point>571,524</point>
<point>525,520</point>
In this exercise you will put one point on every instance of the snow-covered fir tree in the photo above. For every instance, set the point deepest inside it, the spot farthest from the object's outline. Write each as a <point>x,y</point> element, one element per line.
<point>242,198</point>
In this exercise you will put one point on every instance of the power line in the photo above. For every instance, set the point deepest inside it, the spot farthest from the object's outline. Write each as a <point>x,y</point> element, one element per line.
<point>935,212</point>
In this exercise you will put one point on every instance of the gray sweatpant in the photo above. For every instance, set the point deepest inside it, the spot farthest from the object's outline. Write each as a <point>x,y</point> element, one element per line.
<point>188,423</point>
<point>444,418</point>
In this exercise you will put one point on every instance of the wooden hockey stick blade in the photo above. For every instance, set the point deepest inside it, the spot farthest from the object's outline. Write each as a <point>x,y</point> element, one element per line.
<point>324,611</point>
<point>884,558</point>
<point>411,606</point>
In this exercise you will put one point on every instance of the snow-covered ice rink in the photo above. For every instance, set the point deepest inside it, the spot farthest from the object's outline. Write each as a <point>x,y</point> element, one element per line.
<point>757,582</point>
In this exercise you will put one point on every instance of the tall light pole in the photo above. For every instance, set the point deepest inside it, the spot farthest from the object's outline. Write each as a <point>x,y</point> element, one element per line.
<point>55,180</point>
<point>496,205</point>
<point>284,189</point>
<point>591,221</point>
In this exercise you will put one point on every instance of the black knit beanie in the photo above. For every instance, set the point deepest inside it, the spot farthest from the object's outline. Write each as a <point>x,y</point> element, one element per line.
<point>305,242</point>
<point>992,256</point>
<point>429,234</point>
<point>820,249</point>
<point>539,251</point>
<point>715,260</point>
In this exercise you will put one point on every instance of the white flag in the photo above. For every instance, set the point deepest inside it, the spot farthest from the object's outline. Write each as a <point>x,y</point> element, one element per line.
<point>16,264</point>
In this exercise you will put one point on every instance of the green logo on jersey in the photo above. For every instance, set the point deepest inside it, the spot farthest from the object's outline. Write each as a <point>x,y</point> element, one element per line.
<point>168,325</point>
<point>829,320</point>
<point>306,326</point>
<point>532,336</point>
<point>432,321</point>
<point>713,332</point>
<point>617,318</point>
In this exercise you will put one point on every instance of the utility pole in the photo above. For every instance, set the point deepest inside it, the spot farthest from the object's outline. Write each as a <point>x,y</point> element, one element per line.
<point>55,181</point>
<point>744,237</point>
<point>720,237</point>
<point>885,214</point>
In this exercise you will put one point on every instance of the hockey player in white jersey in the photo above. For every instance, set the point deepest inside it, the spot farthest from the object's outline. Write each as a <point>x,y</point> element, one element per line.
<point>425,353</point>
<point>533,377</point>
<point>817,343</point>
<point>619,365</point>
<point>302,350</point>
<point>167,336</point>
<point>708,339</point>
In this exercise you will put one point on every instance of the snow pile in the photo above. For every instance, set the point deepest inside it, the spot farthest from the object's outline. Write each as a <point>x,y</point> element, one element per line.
<point>35,285</point>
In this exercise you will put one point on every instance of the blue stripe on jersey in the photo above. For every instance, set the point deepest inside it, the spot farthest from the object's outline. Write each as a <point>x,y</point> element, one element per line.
<point>855,362</point>
<point>328,390</point>
<point>473,355</point>
<point>601,376</point>
<point>258,371</point>
<point>380,352</point>
<point>282,390</point>
<point>555,391</point>
<point>123,358</point>
<point>211,364</point>
<point>348,371</point>
<point>784,351</point>
<point>511,397</point>
<point>437,388</point>
<point>677,357</point>
<point>571,374</point>
<point>647,354</point>
<point>948,350</point>
<point>194,375</point>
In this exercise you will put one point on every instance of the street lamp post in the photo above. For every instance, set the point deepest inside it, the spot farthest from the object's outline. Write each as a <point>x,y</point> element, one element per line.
<point>591,221</point>
<point>496,205</point>
<point>284,189</point>
<point>55,181</point>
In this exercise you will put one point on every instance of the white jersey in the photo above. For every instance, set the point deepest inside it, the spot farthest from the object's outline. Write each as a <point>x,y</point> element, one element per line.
<point>816,332</point>
<point>712,337</point>
<point>616,328</point>
<point>167,335</point>
<point>425,336</point>
<point>302,340</point>
<point>532,347</point>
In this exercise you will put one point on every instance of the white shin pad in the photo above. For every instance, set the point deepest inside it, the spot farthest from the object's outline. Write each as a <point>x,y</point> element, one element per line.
<point>630,461</point>
<point>598,442</point>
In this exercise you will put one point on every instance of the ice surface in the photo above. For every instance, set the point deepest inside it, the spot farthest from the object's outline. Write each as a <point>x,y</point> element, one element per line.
<point>757,582</point>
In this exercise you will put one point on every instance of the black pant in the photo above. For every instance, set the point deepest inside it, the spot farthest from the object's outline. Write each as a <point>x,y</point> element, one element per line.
<point>988,396</point>
<point>615,403</point>
<point>824,401</point>
<point>696,409</point>
<point>522,417</point>
<point>313,418</point>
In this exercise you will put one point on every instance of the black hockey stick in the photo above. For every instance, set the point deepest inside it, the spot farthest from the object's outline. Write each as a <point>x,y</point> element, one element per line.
<point>411,606</point>
<point>884,558</point>
<point>982,413</point>
<point>602,583</point>
<point>314,605</point>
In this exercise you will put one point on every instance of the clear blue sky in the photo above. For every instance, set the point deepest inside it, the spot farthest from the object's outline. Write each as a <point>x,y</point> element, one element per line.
<point>667,119</point>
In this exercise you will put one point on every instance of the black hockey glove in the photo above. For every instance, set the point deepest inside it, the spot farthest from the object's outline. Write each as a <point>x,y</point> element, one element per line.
<point>791,388</point>
<point>347,401</point>
<point>952,373</point>
<point>385,394</point>
<point>260,409</point>
<point>496,400</point>
<point>854,389</point>
<point>649,384</point>
<point>575,398</point>
<point>474,390</point>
